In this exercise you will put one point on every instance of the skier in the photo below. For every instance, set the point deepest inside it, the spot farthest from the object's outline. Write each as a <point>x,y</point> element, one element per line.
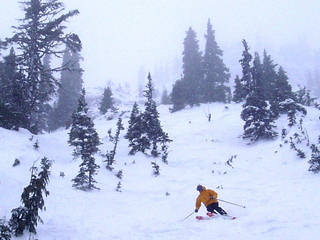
<point>209,198</point>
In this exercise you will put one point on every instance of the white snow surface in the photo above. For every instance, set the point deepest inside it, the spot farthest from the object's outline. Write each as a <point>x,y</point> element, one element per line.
<point>281,196</point>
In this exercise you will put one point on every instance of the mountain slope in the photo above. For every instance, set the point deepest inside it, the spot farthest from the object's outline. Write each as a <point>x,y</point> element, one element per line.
<point>280,195</point>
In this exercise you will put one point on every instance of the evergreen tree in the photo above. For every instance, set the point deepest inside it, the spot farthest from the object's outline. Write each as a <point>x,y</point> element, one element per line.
<point>40,33</point>
<point>256,111</point>
<point>303,96</point>
<point>292,109</point>
<point>107,102</point>
<point>192,69</point>
<point>216,74</point>
<point>85,139</point>
<point>151,121</point>
<point>269,76</point>
<point>46,83</point>
<point>282,88</point>
<point>156,169</point>
<point>69,90</point>
<point>283,96</point>
<point>118,188</point>
<point>8,74</point>
<point>165,99</point>
<point>5,232</point>
<point>242,90</point>
<point>27,217</point>
<point>284,100</point>
<point>178,95</point>
<point>164,147</point>
<point>110,155</point>
<point>315,159</point>
<point>238,92</point>
<point>141,81</point>
<point>136,136</point>
<point>11,91</point>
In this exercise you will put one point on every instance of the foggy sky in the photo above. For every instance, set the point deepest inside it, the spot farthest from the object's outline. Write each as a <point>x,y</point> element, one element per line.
<point>120,36</point>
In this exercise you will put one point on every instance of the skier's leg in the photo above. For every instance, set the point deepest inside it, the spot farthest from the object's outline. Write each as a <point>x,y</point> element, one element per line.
<point>212,207</point>
<point>220,210</point>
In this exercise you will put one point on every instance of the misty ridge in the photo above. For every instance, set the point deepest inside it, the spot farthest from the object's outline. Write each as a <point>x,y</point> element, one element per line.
<point>146,36</point>
<point>300,61</point>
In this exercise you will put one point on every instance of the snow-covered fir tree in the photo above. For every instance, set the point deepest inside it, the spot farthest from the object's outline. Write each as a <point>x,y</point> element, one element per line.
<point>216,74</point>
<point>40,33</point>
<point>238,90</point>
<point>115,139</point>
<point>242,89</point>
<point>282,91</point>
<point>5,231</point>
<point>69,91</point>
<point>293,110</point>
<point>27,216</point>
<point>46,76</point>
<point>256,111</point>
<point>303,96</point>
<point>155,169</point>
<point>315,159</point>
<point>107,102</point>
<point>11,100</point>
<point>269,76</point>
<point>164,147</point>
<point>284,100</point>
<point>151,122</point>
<point>165,98</point>
<point>85,139</point>
<point>136,135</point>
<point>178,95</point>
<point>192,68</point>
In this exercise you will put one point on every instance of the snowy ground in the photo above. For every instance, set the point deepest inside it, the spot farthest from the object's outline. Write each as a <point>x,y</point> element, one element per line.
<point>281,197</point>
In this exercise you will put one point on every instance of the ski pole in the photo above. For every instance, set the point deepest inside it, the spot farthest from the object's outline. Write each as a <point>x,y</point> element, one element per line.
<point>232,203</point>
<point>187,216</point>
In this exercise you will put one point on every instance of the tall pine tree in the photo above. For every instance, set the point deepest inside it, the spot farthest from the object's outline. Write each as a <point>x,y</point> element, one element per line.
<point>138,141</point>
<point>269,76</point>
<point>284,100</point>
<point>192,68</point>
<point>178,95</point>
<point>242,89</point>
<point>151,122</point>
<point>85,139</point>
<point>282,91</point>
<point>11,94</point>
<point>238,92</point>
<point>40,33</point>
<point>107,102</point>
<point>315,159</point>
<point>256,111</point>
<point>165,99</point>
<point>69,91</point>
<point>27,217</point>
<point>111,155</point>
<point>216,74</point>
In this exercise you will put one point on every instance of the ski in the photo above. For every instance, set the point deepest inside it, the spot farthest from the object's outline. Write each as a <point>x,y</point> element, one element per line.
<point>228,217</point>
<point>203,218</point>
<point>212,216</point>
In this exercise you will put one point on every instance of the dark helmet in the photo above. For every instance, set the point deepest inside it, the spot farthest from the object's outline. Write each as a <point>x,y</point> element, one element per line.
<point>199,188</point>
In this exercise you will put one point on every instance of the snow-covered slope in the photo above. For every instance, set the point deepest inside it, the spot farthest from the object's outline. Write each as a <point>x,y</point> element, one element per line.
<point>281,196</point>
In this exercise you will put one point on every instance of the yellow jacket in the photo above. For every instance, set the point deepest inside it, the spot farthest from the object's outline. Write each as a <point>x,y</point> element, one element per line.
<point>204,197</point>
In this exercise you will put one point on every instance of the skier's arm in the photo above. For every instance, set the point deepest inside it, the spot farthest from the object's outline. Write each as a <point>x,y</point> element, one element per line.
<point>198,203</point>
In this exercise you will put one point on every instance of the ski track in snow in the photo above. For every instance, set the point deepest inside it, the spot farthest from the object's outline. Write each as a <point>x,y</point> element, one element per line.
<point>280,195</point>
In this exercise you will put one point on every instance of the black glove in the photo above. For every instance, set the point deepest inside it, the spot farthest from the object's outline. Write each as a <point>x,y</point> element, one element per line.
<point>196,210</point>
